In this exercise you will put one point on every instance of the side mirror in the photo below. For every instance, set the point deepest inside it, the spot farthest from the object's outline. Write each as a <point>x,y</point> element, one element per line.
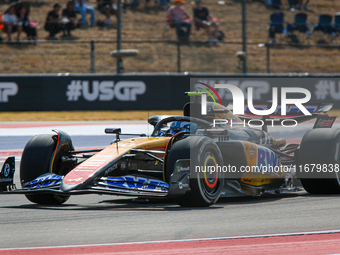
<point>116,131</point>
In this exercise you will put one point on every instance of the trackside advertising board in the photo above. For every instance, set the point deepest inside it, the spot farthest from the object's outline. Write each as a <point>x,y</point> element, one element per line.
<point>145,92</point>
<point>91,92</point>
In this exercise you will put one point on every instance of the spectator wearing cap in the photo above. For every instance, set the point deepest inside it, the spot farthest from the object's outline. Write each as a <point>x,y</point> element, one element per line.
<point>203,19</point>
<point>179,18</point>
<point>53,23</point>
<point>82,7</point>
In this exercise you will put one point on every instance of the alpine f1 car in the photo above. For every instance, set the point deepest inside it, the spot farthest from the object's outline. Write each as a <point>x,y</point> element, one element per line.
<point>190,159</point>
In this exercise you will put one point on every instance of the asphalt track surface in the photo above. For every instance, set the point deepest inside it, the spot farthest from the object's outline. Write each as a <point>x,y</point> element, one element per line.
<point>94,219</point>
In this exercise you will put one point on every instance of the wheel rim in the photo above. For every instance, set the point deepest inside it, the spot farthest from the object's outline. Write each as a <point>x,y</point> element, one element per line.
<point>209,181</point>
<point>212,177</point>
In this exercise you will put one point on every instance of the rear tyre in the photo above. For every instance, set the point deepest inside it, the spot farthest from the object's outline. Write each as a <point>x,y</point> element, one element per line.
<point>203,152</point>
<point>322,148</point>
<point>35,161</point>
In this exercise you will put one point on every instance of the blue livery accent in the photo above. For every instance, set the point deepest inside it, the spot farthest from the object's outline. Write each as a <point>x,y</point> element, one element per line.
<point>134,183</point>
<point>267,158</point>
<point>44,181</point>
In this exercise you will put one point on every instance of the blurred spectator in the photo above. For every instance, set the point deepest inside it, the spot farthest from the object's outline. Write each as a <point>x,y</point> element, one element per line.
<point>303,6</point>
<point>163,3</point>
<point>276,4</point>
<point>203,19</point>
<point>82,7</point>
<point>179,18</point>
<point>26,24</point>
<point>276,26</point>
<point>108,8</point>
<point>53,24</point>
<point>135,4</point>
<point>293,5</point>
<point>125,5</point>
<point>10,21</point>
<point>147,4</point>
<point>69,19</point>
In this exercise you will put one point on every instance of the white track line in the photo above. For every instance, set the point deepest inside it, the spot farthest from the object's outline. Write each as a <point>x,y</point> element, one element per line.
<point>181,240</point>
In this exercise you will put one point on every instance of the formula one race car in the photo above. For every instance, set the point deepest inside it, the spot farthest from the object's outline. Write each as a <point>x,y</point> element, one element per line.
<point>190,159</point>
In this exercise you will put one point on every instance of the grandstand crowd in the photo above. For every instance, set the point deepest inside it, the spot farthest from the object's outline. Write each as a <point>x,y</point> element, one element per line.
<point>17,21</point>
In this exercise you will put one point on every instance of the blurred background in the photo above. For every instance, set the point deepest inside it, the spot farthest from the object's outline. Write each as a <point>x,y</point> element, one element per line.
<point>144,28</point>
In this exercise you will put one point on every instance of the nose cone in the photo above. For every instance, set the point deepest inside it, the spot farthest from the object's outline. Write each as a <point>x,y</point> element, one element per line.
<point>67,187</point>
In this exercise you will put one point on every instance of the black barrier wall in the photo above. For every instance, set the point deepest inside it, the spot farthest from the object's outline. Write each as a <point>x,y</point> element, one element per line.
<point>143,92</point>
<point>92,92</point>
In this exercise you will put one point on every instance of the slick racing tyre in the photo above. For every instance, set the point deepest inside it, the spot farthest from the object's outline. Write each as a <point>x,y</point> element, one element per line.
<point>35,161</point>
<point>319,158</point>
<point>205,187</point>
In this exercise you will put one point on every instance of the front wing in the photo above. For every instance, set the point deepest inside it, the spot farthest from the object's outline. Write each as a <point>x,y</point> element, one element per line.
<point>128,185</point>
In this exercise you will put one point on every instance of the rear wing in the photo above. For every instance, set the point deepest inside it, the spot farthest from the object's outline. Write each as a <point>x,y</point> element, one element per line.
<point>318,111</point>
<point>291,110</point>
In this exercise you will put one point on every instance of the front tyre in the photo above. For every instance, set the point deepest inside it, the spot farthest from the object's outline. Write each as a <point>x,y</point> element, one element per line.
<point>205,186</point>
<point>35,161</point>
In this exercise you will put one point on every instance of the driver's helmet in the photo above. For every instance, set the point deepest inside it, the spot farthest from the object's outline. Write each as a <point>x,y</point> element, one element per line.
<point>179,126</point>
